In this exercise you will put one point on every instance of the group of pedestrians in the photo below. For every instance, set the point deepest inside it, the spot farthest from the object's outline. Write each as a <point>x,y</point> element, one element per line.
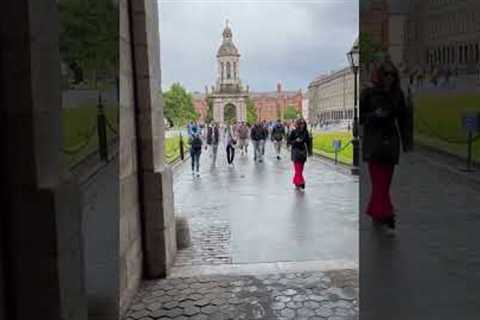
<point>237,136</point>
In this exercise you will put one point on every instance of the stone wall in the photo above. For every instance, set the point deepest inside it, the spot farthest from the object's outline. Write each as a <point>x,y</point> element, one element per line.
<point>129,223</point>
<point>43,214</point>
<point>147,220</point>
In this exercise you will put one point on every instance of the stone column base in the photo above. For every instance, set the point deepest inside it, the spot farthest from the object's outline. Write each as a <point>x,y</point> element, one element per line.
<point>159,223</point>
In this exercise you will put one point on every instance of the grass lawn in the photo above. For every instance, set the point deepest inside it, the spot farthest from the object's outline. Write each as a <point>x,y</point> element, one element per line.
<point>79,124</point>
<point>322,145</point>
<point>439,118</point>
<point>172,148</point>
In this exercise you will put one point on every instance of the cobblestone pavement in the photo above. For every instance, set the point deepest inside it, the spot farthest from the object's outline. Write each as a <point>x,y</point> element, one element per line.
<point>300,296</point>
<point>430,268</point>
<point>252,214</point>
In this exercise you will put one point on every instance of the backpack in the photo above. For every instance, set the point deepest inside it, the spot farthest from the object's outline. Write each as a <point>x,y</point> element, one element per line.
<point>196,143</point>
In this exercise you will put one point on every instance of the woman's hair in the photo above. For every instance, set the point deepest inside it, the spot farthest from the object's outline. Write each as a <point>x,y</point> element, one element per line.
<point>299,122</point>
<point>380,75</point>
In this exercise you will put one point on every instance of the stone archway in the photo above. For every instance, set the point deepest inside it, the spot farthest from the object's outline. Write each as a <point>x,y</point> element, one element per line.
<point>230,113</point>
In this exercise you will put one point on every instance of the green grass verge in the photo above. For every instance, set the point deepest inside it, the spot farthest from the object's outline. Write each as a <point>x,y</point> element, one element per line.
<point>172,148</point>
<point>77,128</point>
<point>440,116</point>
<point>322,145</point>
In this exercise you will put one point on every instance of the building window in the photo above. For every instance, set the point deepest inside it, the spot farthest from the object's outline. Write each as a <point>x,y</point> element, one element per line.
<point>235,70</point>
<point>229,74</point>
<point>223,70</point>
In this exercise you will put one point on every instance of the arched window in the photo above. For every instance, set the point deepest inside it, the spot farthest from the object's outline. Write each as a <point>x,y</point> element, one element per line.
<point>223,70</point>
<point>234,70</point>
<point>229,73</point>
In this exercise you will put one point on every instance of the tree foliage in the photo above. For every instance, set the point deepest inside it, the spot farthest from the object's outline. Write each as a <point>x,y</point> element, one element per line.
<point>290,113</point>
<point>179,105</point>
<point>209,117</point>
<point>251,111</point>
<point>89,37</point>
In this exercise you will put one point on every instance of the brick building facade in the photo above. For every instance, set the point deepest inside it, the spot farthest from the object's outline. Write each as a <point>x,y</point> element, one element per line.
<point>270,105</point>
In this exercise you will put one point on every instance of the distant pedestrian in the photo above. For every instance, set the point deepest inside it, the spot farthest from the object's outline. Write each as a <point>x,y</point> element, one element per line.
<point>384,117</point>
<point>278,134</point>
<point>230,144</point>
<point>300,142</point>
<point>213,138</point>
<point>242,135</point>
<point>195,150</point>
<point>258,135</point>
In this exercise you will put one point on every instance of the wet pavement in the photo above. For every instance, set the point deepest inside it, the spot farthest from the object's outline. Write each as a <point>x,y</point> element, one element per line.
<point>260,249</point>
<point>252,214</point>
<point>300,296</point>
<point>430,267</point>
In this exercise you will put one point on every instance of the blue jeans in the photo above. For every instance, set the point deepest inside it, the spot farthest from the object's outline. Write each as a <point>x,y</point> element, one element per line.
<point>195,155</point>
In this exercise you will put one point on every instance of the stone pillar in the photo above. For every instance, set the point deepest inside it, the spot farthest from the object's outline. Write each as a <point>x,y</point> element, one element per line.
<point>218,111</point>
<point>44,263</point>
<point>155,176</point>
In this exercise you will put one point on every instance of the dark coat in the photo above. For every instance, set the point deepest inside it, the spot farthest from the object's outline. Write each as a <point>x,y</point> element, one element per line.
<point>212,136</point>
<point>385,119</point>
<point>258,133</point>
<point>278,132</point>
<point>299,150</point>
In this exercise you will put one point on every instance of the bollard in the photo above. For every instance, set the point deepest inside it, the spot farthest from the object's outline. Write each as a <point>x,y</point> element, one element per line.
<point>182,151</point>
<point>102,131</point>
<point>469,157</point>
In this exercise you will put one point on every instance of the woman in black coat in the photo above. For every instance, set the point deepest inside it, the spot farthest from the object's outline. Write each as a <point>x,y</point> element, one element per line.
<point>385,119</point>
<point>300,141</point>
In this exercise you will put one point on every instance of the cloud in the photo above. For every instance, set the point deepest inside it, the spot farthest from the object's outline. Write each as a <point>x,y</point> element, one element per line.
<point>278,40</point>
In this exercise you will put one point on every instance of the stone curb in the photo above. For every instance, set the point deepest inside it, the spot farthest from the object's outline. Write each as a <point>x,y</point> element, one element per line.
<point>263,268</point>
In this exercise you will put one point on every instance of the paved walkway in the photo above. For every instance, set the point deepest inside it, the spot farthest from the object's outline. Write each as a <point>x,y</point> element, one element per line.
<point>252,214</point>
<point>261,250</point>
<point>431,268</point>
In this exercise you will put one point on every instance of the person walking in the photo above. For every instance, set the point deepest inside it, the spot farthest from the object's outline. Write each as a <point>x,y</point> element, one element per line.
<point>230,145</point>
<point>258,137</point>
<point>300,142</point>
<point>213,138</point>
<point>242,135</point>
<point>278,134</point>
<point>384,117</point>
<point>195,150</point>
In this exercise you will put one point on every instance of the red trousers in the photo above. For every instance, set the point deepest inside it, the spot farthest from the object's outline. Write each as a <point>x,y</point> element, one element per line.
<point>298,179</point>
<point>380,206</point>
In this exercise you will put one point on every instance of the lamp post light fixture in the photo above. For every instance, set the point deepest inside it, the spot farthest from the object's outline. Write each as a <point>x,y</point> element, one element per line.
<point>354,60</point>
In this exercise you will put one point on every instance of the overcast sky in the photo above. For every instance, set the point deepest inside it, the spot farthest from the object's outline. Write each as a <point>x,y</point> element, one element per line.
<point>286,41</point>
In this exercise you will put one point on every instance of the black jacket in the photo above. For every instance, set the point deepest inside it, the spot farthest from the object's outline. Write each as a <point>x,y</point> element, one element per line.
<point>386,124</point>
<point>258,133</point>
<point>212,136</point>
<point>300,149</point>
<point>278,132</point>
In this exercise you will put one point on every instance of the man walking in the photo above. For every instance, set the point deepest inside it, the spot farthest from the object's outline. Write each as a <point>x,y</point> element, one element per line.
<point>242,134</point>
<point>195,150</point>
<point>278,133</point>
<point>213,137</point>
<point>258,135</point>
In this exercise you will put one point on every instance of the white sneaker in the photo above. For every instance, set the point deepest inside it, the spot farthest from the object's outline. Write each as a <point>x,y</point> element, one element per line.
<point>198,174</point>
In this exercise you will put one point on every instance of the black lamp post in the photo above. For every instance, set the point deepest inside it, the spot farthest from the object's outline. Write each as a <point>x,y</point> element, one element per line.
<point>354,60</point>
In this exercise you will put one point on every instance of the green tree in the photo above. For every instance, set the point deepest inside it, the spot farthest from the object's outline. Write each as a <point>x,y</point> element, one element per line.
<point>179,105</point>
<point>290,113</point>
<point>209,117</point>
<point>89,38</point>
<point>251,111</point>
